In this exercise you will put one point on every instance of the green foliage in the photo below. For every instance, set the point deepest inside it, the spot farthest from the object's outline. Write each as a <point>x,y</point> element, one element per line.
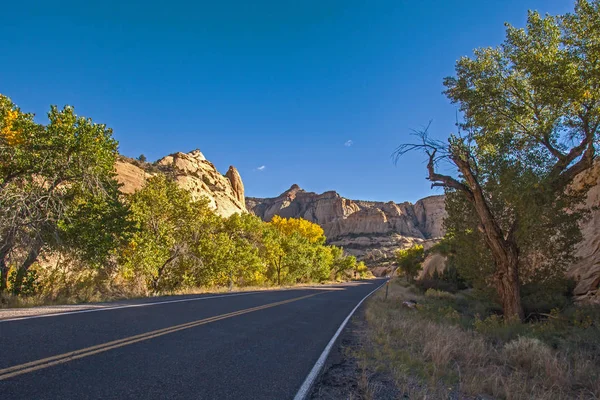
<point>240,263</point>
<point>532,105</point>
<point>168,226</point>
<point>543,295</point>
<point>28,285</point>
<point>54,179</point>
<point>438,294</point>
<point>95,225</point>
<point>410,261</point>
<point>181,243</point>
<point>59,195</point>
<point>531,112</point>
<point>341,264</point>
<point>545,254</point>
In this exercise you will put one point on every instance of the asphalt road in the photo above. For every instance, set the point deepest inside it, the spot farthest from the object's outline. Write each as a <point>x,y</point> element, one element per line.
<point>246,346</point>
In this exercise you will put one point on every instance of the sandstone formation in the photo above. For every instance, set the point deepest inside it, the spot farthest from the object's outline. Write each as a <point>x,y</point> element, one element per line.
<point>130,176</point>
<point>586,270</point>
<point>370,230</point>
<point>236,183</point>
<point>192,172</point>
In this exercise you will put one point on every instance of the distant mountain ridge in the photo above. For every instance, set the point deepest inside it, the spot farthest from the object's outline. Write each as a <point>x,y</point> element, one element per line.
<point>371,230</point>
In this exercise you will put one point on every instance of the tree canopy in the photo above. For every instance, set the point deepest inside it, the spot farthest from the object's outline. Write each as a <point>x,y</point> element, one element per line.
<point>52,178</point>
<point>530,124</point>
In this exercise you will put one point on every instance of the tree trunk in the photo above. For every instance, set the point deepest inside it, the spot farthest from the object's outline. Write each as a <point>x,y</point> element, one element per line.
<point>4,250</point>
<point>3,276</point>
<point>279,272</point>
<point>32,256</point>
<point>503,247</point>
<point>159,274</point>
<point>508,287</point>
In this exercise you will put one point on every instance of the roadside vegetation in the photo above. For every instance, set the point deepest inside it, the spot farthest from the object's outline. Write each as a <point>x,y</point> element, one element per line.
<point>458,346</point>
<point>68,235</point>
<point>530,124</point>
<point>498,320</point>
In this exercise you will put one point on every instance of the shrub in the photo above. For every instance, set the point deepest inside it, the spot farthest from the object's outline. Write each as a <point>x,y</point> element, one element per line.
<point>436,284</point>
<point>439,294</point>
<point>410,261</point>
<point>542,297</point>
<point>499,330</point>
<point>532,356</point>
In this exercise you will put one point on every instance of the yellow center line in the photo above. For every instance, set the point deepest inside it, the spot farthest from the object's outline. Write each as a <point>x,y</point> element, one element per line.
<point>88,351</point>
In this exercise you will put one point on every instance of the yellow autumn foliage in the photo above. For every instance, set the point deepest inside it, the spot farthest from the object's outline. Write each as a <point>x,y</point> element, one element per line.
<point>11,135</point>
<point>311,231</point>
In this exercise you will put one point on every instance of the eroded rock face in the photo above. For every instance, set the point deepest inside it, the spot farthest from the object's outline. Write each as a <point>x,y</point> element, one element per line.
<point>236,183</point>
<point>194,173</point>
<point>587,270</point>
<point>370,230</point>
<point>130,176</point>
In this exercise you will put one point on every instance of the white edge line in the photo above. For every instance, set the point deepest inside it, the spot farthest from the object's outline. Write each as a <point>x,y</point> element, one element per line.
<point>88,310</point>
<point>316,369</point>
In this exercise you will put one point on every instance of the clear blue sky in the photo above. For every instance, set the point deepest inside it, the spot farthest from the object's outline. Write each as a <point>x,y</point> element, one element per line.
<point>280,84</point>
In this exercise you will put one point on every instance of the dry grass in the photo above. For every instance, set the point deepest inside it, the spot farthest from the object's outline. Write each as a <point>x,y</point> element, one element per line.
<point>438,358</point>
<point>88,286</point>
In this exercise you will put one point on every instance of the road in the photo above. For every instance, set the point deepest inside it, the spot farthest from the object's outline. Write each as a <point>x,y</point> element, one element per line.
<point>259,345</point>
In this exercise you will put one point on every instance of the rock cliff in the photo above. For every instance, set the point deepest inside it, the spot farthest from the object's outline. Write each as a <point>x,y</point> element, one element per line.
<point>586,271</point>
<point>193,172</point>
<point>371,230</point>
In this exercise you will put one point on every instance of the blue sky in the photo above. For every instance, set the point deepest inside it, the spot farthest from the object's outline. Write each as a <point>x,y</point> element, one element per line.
<point>317,93</point>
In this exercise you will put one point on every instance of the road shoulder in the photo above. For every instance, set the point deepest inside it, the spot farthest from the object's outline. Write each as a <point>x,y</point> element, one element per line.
<point>346,375</point>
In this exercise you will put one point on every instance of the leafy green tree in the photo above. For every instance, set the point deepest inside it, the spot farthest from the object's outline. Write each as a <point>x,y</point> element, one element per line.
<point>341,263</point>
<point>169,226</point>
<point>242,262</point>
<point>94,226</point>
<point>531,110</point>
<point>409,261</point>
<point>45,171</point>
<point>323,263</point>
<point>298,258</point>
<point>272,252</point>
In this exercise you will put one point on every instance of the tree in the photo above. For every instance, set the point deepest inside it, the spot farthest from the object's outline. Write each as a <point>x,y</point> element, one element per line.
<point>341,263</point>
<point>272,251</point>
<point>322,264</point>
<point>242,262</point>
<point>302,255</point>
<point>141,158</point>
<point>95,225</point>
<point>169,226</point>
<point>298,258</point>
<point>311,231</point>
<point>531,110</point>
<point>361,270</point>
<point>410,261</point>
<point>45,171</point>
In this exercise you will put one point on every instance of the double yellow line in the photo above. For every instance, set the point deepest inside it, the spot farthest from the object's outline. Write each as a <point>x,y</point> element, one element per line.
<point>88,351</point>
